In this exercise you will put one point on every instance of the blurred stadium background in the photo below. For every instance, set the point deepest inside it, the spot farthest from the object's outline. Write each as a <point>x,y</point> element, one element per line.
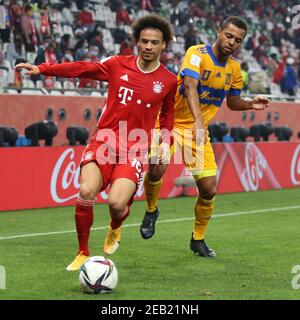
<point>254,151</point>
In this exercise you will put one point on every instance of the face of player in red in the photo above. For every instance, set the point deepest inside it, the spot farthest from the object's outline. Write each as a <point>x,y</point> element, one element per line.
<point>151,44</point>
<point>229,39</point>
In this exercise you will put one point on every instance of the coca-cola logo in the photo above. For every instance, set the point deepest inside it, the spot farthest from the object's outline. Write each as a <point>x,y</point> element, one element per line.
<point>295,167</point>
<point>64,176</point>
<point>65,183</point>
<point>255,164</point>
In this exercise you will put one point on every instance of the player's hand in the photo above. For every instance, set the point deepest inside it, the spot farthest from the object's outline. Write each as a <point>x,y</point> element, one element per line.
<point>260,103</point>
<point>32,70</point>
<point>164,154</point>
<point>200,133</point>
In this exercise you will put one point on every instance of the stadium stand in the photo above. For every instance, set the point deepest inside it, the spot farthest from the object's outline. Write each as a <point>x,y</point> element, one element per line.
<point>92,30</point>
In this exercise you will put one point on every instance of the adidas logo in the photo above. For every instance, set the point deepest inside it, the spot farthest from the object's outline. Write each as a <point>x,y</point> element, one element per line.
<point>218,75</point>
<point>125,77</point>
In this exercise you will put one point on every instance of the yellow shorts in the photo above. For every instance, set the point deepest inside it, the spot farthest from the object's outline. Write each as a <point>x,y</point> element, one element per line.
<point>199,160</point>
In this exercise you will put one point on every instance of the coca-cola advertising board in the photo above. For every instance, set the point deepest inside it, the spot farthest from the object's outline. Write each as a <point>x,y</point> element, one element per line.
<point>39,177</point>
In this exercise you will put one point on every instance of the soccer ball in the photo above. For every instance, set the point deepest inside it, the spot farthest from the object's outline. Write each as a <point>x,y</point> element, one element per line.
<point>98,275</point>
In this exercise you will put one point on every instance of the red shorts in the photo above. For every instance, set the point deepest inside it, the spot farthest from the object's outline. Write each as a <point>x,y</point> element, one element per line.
<point>110,170</point>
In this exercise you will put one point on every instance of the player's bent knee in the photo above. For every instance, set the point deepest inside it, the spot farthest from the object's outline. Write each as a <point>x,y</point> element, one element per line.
<point>208,193</point>
<point>116,205</point>
<point>87,192</point>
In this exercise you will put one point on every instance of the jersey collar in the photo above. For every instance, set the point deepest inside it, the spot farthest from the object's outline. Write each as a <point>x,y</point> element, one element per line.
<point>136,61</point>
<point>213,57</point>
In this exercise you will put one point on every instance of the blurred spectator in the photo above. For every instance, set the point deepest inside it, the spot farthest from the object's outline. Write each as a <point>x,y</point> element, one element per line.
<point>67,15</point>
<point>279,72</point>
<point>29,29</point>
<point>5,71</point>
<point>48,54</point>
<point>97,41</point>
<point>85,18</point>
<point>191,37</point>
<point>80,49</point>
<point>289,80</point>
<point>16,12</point>
<point>78,33</point>
<point>15,50</point>
<point>68,57</point>
<point>4,64</point>
<point>172,63</point>
<point>245,76</point>
<point>272,65</point>
<point>6,28</point>
<point>146,5</point>
<point>81,4</point>
<point>127,47</point>
<point>45,29</point>
<point>93,53</point>
<point>251,43</point>
<point>122,16</point>
<point>55,16</point>
<point>64,44</point>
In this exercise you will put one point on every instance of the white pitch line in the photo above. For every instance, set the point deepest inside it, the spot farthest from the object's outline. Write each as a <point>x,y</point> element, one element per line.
<point>220,215</point>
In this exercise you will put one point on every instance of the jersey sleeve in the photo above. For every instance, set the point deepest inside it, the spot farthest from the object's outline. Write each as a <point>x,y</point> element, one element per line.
<point>191,63</point>
<point>166,118</point>
<point>237,81</point>
<point>82,69</point>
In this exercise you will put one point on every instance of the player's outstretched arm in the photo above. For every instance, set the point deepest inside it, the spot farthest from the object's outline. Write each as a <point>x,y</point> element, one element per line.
<point>32,70</point>
<point>236,103</point>
<point>78,69</point>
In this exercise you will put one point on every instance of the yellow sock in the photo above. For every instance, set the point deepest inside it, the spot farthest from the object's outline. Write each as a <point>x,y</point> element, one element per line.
<point>152,190</point>
<point>203,211</point>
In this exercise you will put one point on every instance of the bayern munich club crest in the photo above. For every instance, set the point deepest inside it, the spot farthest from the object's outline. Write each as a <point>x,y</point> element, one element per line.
<point>157,87</point>
<point>88,155</point>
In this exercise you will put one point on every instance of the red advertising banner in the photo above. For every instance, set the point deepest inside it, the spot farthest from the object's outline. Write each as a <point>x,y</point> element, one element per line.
<point>49,176</point>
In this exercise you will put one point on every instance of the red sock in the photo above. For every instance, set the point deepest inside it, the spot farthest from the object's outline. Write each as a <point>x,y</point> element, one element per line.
<point>84,220</point>
<point>116,223</point>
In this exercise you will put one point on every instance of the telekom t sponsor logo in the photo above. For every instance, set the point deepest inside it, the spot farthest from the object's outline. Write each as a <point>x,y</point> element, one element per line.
<point>125,94</point>
<point>295,167</point>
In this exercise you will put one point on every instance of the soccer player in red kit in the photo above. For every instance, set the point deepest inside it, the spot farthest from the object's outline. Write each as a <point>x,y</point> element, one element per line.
<point>139,89</point>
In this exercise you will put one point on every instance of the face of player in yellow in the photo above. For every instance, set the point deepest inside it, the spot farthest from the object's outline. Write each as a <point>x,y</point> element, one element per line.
<point>151,44</point>
<point>229,39</point>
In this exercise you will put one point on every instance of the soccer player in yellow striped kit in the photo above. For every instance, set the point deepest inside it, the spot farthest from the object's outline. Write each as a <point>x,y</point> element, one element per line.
<point>209,74</point>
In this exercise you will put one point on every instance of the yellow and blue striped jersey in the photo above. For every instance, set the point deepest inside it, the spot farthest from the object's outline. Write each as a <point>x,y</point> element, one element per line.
<point>216,80</point>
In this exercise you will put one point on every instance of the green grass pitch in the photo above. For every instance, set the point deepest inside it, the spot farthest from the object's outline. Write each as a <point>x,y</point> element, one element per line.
<point>255,235</point>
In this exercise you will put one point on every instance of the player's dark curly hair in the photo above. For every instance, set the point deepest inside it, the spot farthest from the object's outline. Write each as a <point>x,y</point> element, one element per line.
<point>237,21</point>
<point>153,21</point>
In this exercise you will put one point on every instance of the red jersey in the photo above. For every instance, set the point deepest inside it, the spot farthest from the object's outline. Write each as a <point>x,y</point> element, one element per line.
<point>135,97</point>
